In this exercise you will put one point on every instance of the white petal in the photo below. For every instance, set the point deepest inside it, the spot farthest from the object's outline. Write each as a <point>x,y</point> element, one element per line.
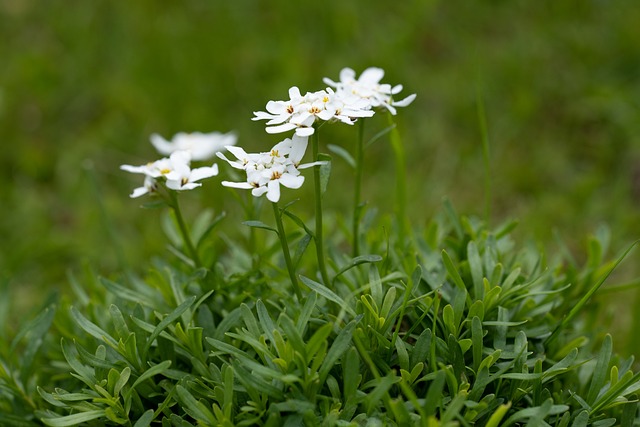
<point>273,192</point>
<point>328,81</point>
<point>325,114</point>
<point>203,172</point>
<point>304,131</point>
<point>308,165</point>
<point>281,128</point>
<point>135,169</point>
<point>347,75</point>
<point>371,75</point>
<point>162,145</point>
<point>298,148</point>
<point>294,93</point>
<point>140,191</point>
<point>396,89</point>
<point>180,158</point>
<point>291,181</point>
<point>237,151</point>
<point>259,191</point>
<point>243,185</point>
<point>187,186</point>
<point>404,102</point>
<point>261,115</point>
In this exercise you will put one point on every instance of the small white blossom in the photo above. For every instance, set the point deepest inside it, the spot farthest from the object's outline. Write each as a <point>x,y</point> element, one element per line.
<point>267,171</point>
<point>175,170</point>
<point>201,146</point>
<point>368,87</point>
<point>149,186</point>
<point>301,112</point>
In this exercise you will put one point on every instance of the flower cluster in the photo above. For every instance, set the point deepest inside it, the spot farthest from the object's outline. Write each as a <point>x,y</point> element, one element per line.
<point>301,112</point>
<point>352,99</point>
<point>175,170</point>
<point>345,101</point>
<point>368,88</point>
<point>267,171</point>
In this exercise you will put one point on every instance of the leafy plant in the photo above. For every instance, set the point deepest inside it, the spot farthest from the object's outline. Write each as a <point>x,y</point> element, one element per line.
<point>450,324</point>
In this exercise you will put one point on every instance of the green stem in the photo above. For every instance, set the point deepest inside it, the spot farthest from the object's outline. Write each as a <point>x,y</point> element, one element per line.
<point>285,251</point>
<point>401,181</point>
<point>358,189</point>
<point>186,237</point>
<point>319,240</point>
<point>482,121</point>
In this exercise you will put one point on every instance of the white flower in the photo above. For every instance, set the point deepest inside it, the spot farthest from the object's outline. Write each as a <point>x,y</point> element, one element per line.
<point>368,87</point>
<point>301,112</point>
<point>201,146</point>
<point>267,171</point>
<point>175,170</point>
<point>149,186</point>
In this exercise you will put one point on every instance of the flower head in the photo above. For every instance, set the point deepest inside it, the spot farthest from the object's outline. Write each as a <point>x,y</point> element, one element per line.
<point>267,171</point>
<point>200,146</point>
<point>174,170</point>
<point>301,112</point>
<point>368,88</point>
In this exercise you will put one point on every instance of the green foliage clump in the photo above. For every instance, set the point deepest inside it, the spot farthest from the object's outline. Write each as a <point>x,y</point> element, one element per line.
<point>456,326</point>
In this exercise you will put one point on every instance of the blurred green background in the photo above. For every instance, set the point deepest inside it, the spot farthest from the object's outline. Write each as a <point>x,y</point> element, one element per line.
<point>84,83</point>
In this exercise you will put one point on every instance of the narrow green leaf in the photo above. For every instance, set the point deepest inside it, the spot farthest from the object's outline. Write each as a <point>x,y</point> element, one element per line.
<point>123,378</point>
<point>259,224</point>
<point>170,318</point>
<point>455,219</point>
<point>380,390</point>
<point>600,371</point>
<point>380,134</point>
<point>351,373</point>
<point>145,419</point>
<point>118,321</point>
<point>477,338</point>
<point>325,292</point>
<point>375,284</point>
<point>498,415</point>
<point>301,247</point>
<point>475,265</point>
<point>87,375</point>
<point>268,326</point>
<point>325,171</point>
<point>434,394</point>
<point>421,348</point>
<point>344,154</point>
<point>152,371</point>
<point>196,409</point>
<point>453,272</point>
<point>576,308</point>
<point>403,355</point>
<point>581,420</point>
<point>299,222</point>
<point>201,237</point>
<point>75,419</point>
<point>92,329</point>
<point>249,320</point>
<point>305,314</point>
<point>362,259</point>
<point>341,344</point>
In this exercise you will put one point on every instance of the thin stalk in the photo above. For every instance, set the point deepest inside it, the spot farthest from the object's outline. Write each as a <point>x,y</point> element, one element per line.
<point>186,237</point>
<point>285,251</point>
<point>401,181</point>
<point>319,240</point>
<point>358,189</point>
<point>484,133</point>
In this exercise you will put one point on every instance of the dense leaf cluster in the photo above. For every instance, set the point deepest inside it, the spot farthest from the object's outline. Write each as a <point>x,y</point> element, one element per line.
<point>454,327</point>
